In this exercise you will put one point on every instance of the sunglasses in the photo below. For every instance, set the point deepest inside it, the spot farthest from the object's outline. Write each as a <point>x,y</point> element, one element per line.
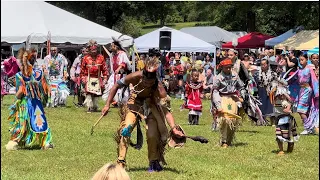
<point>230,54</point>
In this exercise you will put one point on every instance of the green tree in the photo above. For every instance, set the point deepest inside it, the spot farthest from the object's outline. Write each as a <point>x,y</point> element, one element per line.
<point>159,10</point>
<point>129,26</point>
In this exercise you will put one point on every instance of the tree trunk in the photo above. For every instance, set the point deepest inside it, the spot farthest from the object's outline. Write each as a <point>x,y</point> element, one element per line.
<point>162,21</point>
<point>251,21</point>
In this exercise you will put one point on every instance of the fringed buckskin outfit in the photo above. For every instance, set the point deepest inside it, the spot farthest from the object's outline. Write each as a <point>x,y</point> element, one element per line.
<point>226,90</point>
<point>143,104</point>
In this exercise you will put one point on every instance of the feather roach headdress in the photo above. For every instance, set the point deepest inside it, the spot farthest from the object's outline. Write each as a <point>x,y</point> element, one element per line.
<point>120,40</point>
<point>151,67</point>
<point>26,55</point>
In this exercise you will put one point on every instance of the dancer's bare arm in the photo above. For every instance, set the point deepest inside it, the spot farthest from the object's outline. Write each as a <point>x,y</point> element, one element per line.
<point>130,79</point>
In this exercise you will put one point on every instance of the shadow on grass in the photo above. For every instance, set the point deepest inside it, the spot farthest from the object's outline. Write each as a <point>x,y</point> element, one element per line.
<point>193,125</point>
<point>67,106</point>
<point>32,148</point>
<point>146,169</point>
<point>240,144</point>
<point>248,131</point>
<point>277,151</point>
<point>158,26</point>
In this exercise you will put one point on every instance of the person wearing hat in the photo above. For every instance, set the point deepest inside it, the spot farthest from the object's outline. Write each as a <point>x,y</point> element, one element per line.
<point>227,95</point>
<point>56,69</point>
<point>93,74</point>
<point>144,103</point>
<point>75,76</point>
<point>246,60</point>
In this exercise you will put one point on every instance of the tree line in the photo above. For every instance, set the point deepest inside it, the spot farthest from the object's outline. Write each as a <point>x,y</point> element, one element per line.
<point>273,18</point>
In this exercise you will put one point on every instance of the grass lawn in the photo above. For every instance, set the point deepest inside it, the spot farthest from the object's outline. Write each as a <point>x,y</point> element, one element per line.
<point>78,155</point>
<point>151,27</point>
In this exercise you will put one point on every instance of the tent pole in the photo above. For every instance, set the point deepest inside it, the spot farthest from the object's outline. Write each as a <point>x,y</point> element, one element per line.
<point>133,62</point>
<point>41,52</point>
<point>215,61</point>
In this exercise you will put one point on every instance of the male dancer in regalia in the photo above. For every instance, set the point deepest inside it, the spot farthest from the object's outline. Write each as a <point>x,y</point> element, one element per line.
<point>144,103</point>
<point>120,67</point>
<point>75,76</point>
<point>93,74</point>
<point>227,96</point>
<point>56,67</point>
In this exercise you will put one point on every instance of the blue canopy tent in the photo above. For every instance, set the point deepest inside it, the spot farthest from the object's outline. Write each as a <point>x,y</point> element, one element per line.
<point>279,39</point>
<point>313,51</point>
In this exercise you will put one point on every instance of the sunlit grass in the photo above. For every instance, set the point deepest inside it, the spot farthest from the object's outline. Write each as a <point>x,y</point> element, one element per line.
<point>78,155</point>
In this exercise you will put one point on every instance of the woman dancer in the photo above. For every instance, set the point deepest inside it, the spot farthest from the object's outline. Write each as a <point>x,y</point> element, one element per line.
<point>309,89</point>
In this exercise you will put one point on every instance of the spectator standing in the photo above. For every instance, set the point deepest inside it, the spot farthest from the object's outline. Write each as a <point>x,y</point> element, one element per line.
<point>207,84</point>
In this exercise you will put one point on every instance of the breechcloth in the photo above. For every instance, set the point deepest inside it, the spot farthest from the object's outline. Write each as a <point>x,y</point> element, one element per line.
<point>157,132</point>
<point>227,123</point>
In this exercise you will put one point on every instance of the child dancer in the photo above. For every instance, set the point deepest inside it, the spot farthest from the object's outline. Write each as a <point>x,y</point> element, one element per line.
<point>193,96</point>
<point>285,123</point>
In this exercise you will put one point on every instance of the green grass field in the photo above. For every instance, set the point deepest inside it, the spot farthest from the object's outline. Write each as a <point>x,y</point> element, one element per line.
<point>151,27</point>
<point>78,155</point>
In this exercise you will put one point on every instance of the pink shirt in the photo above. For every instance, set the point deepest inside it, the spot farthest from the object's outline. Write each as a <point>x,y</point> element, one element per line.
<point>11,66</point>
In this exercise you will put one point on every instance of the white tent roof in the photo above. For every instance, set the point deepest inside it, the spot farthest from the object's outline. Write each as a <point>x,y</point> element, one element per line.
<point>211,34</point>
<point>239,33</point>
<point>180,42</point>
<point>20,19</point>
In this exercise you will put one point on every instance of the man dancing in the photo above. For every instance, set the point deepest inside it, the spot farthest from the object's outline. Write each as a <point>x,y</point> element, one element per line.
<point>75,76</point>
<point>120,66</point>
<point>93,66</point>
<point>226,99</point>
<point>56,68</point>
<point>144,104</point>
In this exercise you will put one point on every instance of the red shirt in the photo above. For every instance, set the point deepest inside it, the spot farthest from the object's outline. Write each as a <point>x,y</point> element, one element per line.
<point>178,69</point>
<point>90,64</point>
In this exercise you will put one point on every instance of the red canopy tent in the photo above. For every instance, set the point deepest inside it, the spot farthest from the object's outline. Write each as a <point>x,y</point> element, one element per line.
<point>251,40</point>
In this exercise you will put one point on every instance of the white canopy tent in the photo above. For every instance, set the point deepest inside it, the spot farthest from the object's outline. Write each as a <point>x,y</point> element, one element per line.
<point>180,42</point>
<point>211,34</point>
<point>19,19</point>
